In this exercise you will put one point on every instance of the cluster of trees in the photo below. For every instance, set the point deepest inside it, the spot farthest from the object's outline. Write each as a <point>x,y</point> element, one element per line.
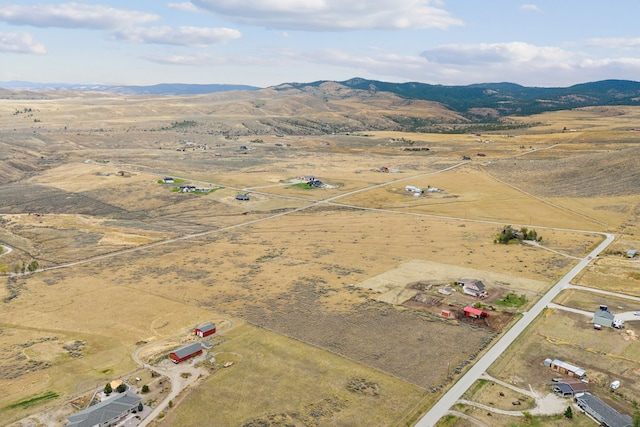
<point>120,389</point>
<point>509,233</point>
<point>24,267</point>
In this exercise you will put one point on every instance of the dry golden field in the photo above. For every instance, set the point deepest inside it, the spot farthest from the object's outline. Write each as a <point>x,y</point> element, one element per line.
<point>319,275</point>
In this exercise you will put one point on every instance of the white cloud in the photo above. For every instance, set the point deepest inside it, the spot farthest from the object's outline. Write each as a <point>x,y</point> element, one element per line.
<point>498,54</point>
<point>336,15</point>
<point>182,36</point>
<point>20,43</point>
<point>532,7</point>
<point>185,6</point>
<point>615,43</point>
<point>73,15</point>
<point>205,60</point>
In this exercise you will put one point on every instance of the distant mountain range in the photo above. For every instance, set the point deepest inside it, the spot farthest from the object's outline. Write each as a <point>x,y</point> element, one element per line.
<point>159,89</point>
<point>483,101</point>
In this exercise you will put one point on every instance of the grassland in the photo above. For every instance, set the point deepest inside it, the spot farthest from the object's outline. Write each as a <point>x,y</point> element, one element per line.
<point>154,263</point>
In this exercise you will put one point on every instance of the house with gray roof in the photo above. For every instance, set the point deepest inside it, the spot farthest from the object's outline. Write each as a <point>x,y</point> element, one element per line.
<point>603,318</point>
<point>107,412</point>
<point>601,412</point>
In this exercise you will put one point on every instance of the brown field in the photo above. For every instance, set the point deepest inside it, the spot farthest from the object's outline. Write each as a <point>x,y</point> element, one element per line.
<point>154,263</point>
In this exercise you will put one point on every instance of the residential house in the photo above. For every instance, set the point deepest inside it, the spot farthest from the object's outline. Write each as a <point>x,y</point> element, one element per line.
<point>601,412</point>
<point>168,180</point>
<point>603,317</point>
<point>473,287</point>
<point>106,413</point>
<point>568,387</point>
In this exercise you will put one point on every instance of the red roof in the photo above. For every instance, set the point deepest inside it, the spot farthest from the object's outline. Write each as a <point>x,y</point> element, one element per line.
<point>475,311</point>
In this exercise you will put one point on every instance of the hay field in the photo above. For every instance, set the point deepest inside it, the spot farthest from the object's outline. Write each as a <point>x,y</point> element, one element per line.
<point>278,379</point>
<point>284,260</point>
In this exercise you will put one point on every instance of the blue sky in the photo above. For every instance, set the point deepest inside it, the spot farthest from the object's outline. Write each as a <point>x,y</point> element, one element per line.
<point>267,42</point>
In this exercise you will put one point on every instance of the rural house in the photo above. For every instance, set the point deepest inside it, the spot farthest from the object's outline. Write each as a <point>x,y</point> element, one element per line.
<point>473,287</point>
<point>106,413</point>
<point>475,313</point>
<point>186,352</point>
<point>603,317</point>
<point>168,180</point>
<point>601,412</point>
<point>205,330</point>
<point>565,368</point>
<point>569,387</point>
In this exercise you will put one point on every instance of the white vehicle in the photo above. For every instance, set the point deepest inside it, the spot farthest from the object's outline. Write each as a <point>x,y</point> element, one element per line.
<point>615,385</point>
<point>617,323</point>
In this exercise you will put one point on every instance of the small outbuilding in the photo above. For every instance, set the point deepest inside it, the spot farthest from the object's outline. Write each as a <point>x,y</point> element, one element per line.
<point>475,313</point>
<point>186,352</point>
<point>566,368</point>
<point>631,253</point>
<point>168,180</point>
<point>205,330</point>
<point>603,318</point>
<point>242,197</point>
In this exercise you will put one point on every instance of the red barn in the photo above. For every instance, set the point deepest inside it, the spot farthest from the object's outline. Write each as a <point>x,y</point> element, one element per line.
<point>474,312</point>
<point>205,330</point>
<point>186,352</point>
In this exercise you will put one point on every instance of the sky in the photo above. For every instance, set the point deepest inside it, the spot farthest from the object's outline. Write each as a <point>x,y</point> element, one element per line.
<point>549,43</point>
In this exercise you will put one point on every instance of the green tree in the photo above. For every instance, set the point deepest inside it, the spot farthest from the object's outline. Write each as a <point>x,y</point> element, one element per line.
<point>121,388</point>
<point>33,266</point>
<point>145,388</point>
<point>636,419</point>
<point>568,413</point>
<point>108,389</point>
<point>140,407</point>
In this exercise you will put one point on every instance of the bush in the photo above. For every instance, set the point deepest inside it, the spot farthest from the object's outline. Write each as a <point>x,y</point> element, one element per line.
<point>145,388</point>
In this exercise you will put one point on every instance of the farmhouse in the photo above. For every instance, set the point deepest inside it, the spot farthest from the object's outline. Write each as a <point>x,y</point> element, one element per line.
<point>168,180</point>
<point>565,368</point>
<point>107,412</point>
<point>308,178</point>
<point>475,313</point>
<point>242,197</point>
<point>413,189</point>
<point>601,412</point>
<point>473,287</point>
<point>186,352</point>
<point>205,330</point>
<point>603,317</point>
<point>569,387</point>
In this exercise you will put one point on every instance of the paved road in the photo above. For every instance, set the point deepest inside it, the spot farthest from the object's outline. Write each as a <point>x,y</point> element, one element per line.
<point>457,390</point>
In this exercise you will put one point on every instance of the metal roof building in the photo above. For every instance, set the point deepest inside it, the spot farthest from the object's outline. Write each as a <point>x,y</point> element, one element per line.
<point>106,412</point>
<point>601,412</point>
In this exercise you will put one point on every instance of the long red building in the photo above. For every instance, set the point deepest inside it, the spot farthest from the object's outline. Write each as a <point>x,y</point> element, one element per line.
<point>186,352</point>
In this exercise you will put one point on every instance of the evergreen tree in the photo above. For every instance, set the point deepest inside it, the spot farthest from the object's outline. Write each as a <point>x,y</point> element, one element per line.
<point>568,413</point>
